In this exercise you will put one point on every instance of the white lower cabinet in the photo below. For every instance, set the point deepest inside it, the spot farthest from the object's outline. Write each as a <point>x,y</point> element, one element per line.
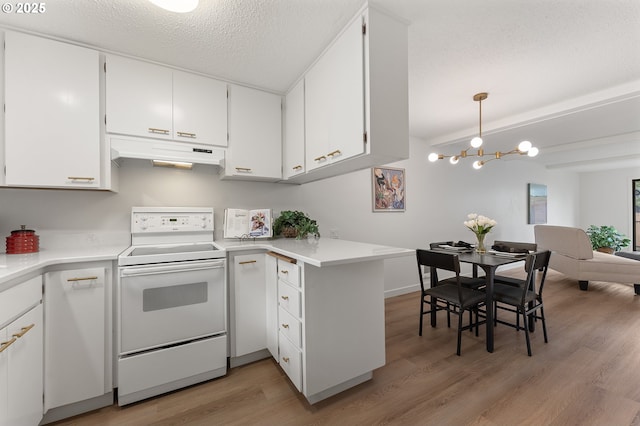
<point>78,338</point>
<point>330,324</point>
<point>21,353</point>
<point>289,320</point>
<point>248,310</point>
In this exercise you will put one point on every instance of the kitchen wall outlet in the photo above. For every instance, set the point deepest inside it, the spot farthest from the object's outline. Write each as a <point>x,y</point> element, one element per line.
<point>333,233</point>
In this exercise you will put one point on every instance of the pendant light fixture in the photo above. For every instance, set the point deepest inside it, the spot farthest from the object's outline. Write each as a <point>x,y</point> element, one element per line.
<point>524,148</point>
<point>179,6</point>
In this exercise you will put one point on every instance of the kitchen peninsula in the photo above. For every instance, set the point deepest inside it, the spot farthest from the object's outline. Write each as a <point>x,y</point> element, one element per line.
<point>324,309</point>
<point>315,305</point>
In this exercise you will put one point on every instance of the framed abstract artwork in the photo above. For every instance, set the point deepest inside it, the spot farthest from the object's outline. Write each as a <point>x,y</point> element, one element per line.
<point>388,189</point>
<point>537,203</point>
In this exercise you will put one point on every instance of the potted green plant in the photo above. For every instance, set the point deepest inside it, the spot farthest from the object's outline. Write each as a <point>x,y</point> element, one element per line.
<point>294,223</point>
<point>606,238</point>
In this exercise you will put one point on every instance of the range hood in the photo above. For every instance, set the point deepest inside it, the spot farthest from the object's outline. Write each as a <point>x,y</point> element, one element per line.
<point>171,151</point>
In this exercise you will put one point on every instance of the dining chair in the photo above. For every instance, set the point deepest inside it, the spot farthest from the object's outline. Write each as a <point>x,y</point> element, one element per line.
<point>526,298</point>
<point>450,290</point>
<point>513,246</point>
<point>469,282</point>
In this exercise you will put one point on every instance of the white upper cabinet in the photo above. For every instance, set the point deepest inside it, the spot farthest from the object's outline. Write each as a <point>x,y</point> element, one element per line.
<point>149,100</point>
<point>255,135</point>
<point>139,98</point>
<point>199,109</point>
<point>356,108</point>
<point>52,113</point>
<point>334,101</point>
<point>293,143</point>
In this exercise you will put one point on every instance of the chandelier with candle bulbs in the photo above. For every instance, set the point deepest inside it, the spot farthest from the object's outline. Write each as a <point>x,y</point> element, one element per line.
<point>524,147</point>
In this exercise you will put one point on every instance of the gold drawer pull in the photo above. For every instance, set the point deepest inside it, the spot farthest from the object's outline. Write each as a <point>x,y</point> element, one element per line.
<point>82,279</point>
<point>332,153</point>
<point>284,271</point>
<point>243,169</point>
<point>5,345</point>
<point>23,331</point>
<point>187,135</point>
<point>88,179</point>
<point>247,262</point>
<point>158,131</point>
<point>285,325</point>
<point>284,297</point>
<point>285,359</point>
<point>321,158</point>
<point>298,167</point>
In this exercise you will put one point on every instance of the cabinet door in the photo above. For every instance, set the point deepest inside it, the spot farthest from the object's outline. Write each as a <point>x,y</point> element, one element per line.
<point>199,109</point>
<point>24,376</point>
<point>52,113</point>
<point>334,101</point>
<point>75,336</point>
<point>293,152</point>
<point>249,303</point>
<point>4,376</point>
<point>255,134</point>
<point>139,98</point>
<point>271,278</point>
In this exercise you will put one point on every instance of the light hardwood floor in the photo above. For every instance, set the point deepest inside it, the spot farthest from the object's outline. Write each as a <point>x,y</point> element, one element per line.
<point>588,374</point>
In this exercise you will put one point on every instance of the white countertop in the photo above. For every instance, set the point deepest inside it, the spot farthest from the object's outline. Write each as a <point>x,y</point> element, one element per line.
<point>317,252</point>
<point>17,265</point>
<point>321,251</point>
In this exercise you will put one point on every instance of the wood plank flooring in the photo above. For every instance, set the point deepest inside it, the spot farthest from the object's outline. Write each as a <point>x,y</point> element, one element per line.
<point>588,374</point>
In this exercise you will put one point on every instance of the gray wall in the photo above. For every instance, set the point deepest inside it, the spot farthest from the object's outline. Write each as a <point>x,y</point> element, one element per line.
<point>439,196</point>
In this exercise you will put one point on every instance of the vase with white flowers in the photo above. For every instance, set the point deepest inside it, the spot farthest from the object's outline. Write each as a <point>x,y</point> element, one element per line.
<point>480,225</point>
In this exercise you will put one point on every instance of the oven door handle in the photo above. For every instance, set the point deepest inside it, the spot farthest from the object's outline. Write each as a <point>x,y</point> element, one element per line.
<point>136,271</point>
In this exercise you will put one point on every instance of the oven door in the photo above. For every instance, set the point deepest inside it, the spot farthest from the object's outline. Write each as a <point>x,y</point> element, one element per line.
<point>166,304</point>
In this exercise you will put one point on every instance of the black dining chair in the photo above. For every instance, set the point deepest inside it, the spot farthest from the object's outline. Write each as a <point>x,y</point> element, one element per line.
<point>512,247</point>
<point>469,282</point>
<point>525,298</point>
<point>450,290</point>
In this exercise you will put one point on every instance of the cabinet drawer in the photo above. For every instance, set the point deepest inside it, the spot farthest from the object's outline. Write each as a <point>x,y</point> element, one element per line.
<point>289,298</point>
<point>291,361</point>
<point>290,326</point>
<point>20,298</point>
<point>289,272</point>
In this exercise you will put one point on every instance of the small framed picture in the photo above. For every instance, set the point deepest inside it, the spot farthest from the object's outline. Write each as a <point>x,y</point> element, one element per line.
<point>537,203</point>
<point>388,189</point>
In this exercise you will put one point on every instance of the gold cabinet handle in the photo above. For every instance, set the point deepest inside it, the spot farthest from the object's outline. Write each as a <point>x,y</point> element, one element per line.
<point>81,279</point>
<point>284,271</point>
<point>23,331</point>
<point>321,158</point>
<point>5,345</point>
<point>284,297</point>
<point>285,325</point>
<point>332,153</point>
<point>247,262</point>
<point>298,167</point>
<point>243,169</point>
<point>88,179</point>
<point>158,131</point>
<point>285,359</point>
<point>186,135</point>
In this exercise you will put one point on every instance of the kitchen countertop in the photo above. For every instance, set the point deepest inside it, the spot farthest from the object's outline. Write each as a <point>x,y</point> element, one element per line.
<point>321,251</point>
<point>17,265</point>
<point>317,252</point>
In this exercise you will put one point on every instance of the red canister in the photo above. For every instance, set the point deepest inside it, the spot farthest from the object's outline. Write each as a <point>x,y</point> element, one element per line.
<point>23,241</point>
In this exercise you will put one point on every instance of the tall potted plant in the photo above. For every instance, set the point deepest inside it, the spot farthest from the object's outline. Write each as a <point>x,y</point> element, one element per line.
<point>606,238</point>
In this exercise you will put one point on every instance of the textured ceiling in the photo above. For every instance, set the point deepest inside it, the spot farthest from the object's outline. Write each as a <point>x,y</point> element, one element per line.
<point>566,71</point>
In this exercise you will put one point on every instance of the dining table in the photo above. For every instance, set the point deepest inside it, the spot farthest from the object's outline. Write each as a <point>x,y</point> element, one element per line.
<point>489,263</point>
